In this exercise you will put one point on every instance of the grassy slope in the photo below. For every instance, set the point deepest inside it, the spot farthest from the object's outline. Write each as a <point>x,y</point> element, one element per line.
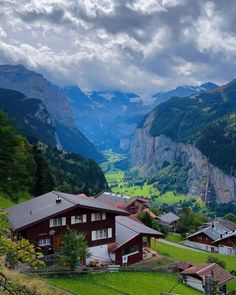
<point>173,237</point>
<point>131,283</point>
<point>195,257</point>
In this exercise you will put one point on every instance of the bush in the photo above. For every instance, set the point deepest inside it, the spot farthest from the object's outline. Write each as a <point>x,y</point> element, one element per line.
<point>212,259</point>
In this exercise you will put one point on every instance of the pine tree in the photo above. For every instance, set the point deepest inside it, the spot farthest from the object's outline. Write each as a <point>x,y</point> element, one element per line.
<point>44,181</point>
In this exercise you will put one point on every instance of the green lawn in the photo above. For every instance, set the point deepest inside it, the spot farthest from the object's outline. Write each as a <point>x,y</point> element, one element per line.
<point>170,198</point>
<point>6,202</point>
<point>195,257</point>
<point>173,237</point>
<point>128,282</point>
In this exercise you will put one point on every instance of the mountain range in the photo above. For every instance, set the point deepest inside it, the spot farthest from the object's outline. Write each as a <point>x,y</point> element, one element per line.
<point>34,86</point>
<point>112,117</point>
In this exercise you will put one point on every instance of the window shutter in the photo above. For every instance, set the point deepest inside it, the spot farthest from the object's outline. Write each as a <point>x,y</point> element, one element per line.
<point>93,235</point>
<point>109,232</point>
<point>93,217</point>
<point>51,223</point>
<point>63,221</point>
<point>84,218</point>
<point>72,219</point>
<point>103,215</point>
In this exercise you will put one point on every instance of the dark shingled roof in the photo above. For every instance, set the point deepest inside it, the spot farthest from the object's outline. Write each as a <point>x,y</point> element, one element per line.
<point>168,217</point>
<point>44,206</point>
<point>127,228</point>
<point>118,200</point>
<point>209,269</point>
<point>214,231</point>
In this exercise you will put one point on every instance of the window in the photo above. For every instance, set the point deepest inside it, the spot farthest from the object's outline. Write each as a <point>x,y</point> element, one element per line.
<point>101,234</point>
<point>58,221</point>
<point>45,242</point>
<point>130,250</point>
<point>79,219</point>
<point>98,216</point>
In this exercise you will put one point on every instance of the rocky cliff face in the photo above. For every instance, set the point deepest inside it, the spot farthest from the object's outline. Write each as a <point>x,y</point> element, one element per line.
<point>204,179</point>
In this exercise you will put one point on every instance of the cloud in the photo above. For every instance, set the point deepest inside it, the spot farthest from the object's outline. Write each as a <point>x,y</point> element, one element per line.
<point>130,45</point>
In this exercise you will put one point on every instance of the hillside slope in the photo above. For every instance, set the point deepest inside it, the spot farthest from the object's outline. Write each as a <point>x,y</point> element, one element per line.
<point>30,116</point>
<point>34,170</point>
<point>34,85</point>
<point>194,137</point>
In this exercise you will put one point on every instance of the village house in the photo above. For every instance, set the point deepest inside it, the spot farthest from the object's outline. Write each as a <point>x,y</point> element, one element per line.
<point>131,204</point>
<point>43,221</point>
<point>168,219</point>
<point>217,237</point>
<point>195,276</point>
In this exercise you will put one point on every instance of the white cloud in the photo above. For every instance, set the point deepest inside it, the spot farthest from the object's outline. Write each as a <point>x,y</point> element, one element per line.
<point>133,45</point>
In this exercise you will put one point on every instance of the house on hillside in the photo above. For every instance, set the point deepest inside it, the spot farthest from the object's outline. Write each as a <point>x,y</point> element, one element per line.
<point>43,221</point>
<point>209,238</point>
<point>131,204</point>
<point>168,219</point>
<point>195,276</point>
<point>226,244</point>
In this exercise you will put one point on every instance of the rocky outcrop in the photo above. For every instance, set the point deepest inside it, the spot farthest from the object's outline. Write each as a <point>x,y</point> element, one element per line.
<point>204,179</point>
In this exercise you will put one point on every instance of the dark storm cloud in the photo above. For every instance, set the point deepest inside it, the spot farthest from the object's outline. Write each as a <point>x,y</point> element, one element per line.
<point>133,45</point>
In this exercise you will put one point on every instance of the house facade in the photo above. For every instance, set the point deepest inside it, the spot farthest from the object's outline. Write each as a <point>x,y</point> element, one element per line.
<point>227,244</point>
<point>214,238</point>
<point>45,219</point>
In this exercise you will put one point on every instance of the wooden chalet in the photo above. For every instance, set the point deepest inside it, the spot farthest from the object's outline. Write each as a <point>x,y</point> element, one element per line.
<point>44,219</point>
<point>217,237</point>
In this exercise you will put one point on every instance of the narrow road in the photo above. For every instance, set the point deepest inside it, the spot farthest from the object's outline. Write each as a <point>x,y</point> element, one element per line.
<point>179,246</point>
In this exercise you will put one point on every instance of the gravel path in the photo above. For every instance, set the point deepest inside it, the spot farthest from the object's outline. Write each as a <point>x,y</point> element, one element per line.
<point>180,246</point>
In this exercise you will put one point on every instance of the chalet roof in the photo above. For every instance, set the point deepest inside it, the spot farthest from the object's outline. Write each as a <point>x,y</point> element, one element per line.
<point>168,217</point>
<point>129,227</point>
<point>45,206</point>
<point>214,231</point>
<point>118,200</point>
<point>226,236</point>
<point>209,269</point>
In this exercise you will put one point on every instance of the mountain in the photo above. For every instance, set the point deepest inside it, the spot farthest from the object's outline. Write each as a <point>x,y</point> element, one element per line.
<point>111,117</point>
<point>34,85</point>
<point>189,144</point>
<point>30,116</point>
<point>182,91</point>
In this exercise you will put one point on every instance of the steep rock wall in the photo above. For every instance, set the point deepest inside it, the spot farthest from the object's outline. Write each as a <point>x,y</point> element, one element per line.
<point>204,179</point>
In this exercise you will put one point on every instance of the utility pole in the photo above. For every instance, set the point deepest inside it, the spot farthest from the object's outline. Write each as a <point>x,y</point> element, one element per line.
<point>208,285</point>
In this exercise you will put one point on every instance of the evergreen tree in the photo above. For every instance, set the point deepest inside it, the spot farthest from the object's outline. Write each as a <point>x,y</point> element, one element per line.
<point>44,181</point>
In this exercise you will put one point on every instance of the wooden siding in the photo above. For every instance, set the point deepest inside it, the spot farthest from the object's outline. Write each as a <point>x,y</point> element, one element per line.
<point>132,258</point>
<point>41,230</point>
<point>230,242</point>
<point>201,238</point>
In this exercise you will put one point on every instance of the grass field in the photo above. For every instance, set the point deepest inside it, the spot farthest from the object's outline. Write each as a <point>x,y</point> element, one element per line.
<point>173,237</point>
<point>123,283</point>
<point>6,202</point>
<point>195,257</point>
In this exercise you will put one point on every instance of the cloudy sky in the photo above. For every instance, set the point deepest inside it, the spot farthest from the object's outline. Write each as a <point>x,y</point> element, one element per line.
<point>133,45</point>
